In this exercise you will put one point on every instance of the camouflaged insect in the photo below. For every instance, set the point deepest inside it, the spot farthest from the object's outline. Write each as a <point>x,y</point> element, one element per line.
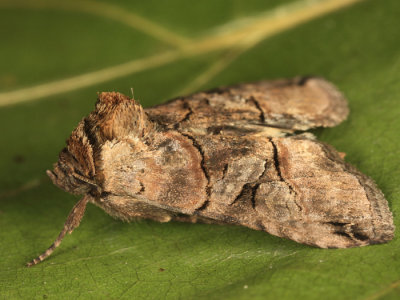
<point>232,155</point>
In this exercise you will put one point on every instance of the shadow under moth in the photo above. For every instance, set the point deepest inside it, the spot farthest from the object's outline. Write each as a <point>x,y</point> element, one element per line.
<point>232,155</point>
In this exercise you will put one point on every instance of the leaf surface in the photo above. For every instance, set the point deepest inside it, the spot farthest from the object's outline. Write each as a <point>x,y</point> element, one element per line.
<point>55,57</point>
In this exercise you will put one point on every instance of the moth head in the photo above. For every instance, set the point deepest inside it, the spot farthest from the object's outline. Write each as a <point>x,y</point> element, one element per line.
<point>74,171</point>
<point>116,117</point>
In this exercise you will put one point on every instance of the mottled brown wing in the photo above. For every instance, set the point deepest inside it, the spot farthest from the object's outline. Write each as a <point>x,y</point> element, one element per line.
<point>152,180</point>
<point>293,104</point>
<point>331,203</point>
<point>294,187</point>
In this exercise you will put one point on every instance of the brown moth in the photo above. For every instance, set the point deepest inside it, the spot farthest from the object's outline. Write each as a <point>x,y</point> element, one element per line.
<point>232,155</point>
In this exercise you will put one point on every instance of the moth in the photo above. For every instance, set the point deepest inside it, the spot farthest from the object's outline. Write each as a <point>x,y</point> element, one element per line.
<point>233,155</point>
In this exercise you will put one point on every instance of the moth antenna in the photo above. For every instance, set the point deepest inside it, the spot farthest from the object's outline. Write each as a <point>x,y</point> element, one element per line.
<point>133,93</point>
<point>84,179</point>
<point>73,220</point>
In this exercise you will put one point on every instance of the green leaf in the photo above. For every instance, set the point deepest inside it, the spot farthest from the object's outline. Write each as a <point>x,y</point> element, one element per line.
<point>55,56</point>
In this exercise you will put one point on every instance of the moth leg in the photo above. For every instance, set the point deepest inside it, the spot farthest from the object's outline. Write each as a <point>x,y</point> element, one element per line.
<point>73,220</point>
